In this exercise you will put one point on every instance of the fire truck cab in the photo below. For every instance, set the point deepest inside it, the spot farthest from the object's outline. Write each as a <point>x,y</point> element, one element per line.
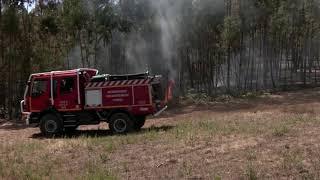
<point>63,100</point>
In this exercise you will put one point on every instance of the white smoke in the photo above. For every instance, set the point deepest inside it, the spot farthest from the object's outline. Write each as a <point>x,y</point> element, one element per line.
<point>156,51</point>
<point>136,49</point>
<point>73,59</point>
<point>167,21</point>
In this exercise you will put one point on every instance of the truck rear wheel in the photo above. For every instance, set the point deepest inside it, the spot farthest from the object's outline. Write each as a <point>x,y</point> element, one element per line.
<point>139,122</point>
<point>50,125</point>
<point>120,123</point>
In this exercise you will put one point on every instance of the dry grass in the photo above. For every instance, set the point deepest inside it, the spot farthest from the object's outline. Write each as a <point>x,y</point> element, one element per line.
<point>275,138</point>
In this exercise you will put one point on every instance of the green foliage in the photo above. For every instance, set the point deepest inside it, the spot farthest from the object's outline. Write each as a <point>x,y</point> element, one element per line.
<point>49,25</point>
<point>197,98</point>
<point>10,24</point>
<point>74,14</point>
<point>231,32</point>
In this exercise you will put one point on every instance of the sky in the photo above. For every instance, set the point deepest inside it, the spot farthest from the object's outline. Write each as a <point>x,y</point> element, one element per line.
<point>29,6</point>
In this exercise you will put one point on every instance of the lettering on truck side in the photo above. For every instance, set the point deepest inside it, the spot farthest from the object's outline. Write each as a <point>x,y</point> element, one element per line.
<point>117,91</point>
<point>117,95</point>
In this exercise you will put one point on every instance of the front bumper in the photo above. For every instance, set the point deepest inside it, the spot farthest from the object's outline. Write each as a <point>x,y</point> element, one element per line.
<point>25,116</point>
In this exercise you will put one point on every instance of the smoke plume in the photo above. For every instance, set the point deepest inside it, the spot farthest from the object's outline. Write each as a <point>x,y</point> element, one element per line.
<point>155,47</point>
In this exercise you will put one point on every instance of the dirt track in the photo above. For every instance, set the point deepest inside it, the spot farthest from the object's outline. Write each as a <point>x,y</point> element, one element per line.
<point>268,137</point>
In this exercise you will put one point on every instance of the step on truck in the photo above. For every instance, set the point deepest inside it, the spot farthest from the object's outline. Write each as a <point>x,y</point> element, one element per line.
<point>60,101</point>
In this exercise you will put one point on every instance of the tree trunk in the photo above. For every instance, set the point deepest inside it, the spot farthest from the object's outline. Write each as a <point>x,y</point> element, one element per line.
<point>229,69</point>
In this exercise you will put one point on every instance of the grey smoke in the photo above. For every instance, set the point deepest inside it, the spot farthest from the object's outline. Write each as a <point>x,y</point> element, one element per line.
<point>156,53</point>
<point>167,21</point>
<point>171,20</point>
<point>155,48</point>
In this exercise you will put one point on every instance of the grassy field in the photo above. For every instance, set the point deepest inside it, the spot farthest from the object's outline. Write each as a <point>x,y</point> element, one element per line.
<point>271,137</point>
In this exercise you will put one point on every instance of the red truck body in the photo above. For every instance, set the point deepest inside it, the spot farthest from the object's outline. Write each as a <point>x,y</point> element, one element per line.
<point>62,100</point>
<point>134,95</point>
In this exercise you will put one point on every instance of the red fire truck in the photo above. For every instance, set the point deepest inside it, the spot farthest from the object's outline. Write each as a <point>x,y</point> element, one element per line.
<point>63,100</point>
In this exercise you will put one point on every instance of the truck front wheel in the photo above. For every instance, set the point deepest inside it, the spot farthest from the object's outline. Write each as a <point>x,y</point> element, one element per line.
<point>50,125</point>
<point>120,123</point>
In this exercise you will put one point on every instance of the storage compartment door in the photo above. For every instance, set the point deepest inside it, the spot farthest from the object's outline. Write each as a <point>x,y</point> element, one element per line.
<point>93,98</point>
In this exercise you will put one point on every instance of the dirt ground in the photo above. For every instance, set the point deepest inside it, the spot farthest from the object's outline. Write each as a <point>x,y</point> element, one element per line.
<point>269,137</point>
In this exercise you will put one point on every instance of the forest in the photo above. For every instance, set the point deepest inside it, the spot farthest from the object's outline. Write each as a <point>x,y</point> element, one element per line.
<point>207,46</point>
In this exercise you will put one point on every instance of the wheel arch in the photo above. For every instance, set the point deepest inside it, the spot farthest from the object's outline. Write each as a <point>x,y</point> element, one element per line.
<point>116,111</point>
<point>50,110</point>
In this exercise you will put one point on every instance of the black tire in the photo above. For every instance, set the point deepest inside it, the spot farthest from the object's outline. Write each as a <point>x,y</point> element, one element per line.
<point>50,125</point>
<point>139,122</point>
<point>121,123</point>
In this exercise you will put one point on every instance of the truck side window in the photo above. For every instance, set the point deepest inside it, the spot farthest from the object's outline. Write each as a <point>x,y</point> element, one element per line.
<point>39,87</point>
<point>66,85</point>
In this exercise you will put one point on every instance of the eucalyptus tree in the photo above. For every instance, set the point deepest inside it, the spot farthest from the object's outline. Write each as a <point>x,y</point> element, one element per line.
<point>92,24</point>
<point>11,51</point>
